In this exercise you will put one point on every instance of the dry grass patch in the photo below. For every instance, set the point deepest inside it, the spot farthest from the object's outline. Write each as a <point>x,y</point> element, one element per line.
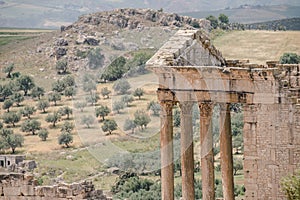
<point>258,46</point>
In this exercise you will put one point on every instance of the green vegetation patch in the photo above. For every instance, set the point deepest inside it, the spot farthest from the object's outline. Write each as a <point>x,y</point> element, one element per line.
<point>71,166</point>
<point>4,40</point>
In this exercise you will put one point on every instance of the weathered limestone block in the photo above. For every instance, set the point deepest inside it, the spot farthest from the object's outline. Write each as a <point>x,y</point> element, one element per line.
<point>11,191</point>
<point>46,191</point>
<point>64,191</point>
<point>294,81</point>
<point>76,189</point>
<point>27,190</point>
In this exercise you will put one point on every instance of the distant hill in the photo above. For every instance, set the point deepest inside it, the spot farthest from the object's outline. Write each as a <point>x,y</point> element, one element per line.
<point>252,14</point>
<point>54,13</point>
<point>292,24</point>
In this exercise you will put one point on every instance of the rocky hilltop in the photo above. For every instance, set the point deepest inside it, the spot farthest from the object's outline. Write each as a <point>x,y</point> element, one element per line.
<point>114,32</point>
<point>135,18</point>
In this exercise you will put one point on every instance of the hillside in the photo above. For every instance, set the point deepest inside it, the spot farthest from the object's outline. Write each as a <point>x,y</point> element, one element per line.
<point>292,24</point>
<point>252,14</point>
<point>54,13</point>
<point>140,30</point>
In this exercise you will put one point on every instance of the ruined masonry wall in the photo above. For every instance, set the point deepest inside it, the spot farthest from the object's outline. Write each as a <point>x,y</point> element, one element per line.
<point>16,186</point>
<point>271,135</point>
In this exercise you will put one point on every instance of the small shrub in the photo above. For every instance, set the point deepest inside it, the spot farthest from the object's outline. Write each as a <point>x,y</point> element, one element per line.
<point>43,134</point>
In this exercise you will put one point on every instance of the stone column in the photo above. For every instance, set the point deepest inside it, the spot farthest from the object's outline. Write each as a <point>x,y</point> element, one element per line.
<point>207,155</point>
<point>166,148</point>
<point>187,151</point>
<point>226,152</point>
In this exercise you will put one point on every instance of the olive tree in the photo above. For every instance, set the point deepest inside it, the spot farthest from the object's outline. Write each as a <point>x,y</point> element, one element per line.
<point>95,58</point>
<point>154,107</point>
<point>105,92</point>
<point>65,138</point>
<point>31,126</point>
<point>8,70</point>
<point>138,92</point>
<point>237,165</point>
<point>117,106</point>
<point>43,134</point>
<point>7,104</point>
<point>27,111</point>
<point>67,127</point>
<point>70,91</point>
<point>121,86</point>
<point>25,83</point>
<point>127,99</point>
<point>61,66</point>
<point>11,118</point>
<point>87,120</point>
<point>109,126</point>
<point>37,92</point>
<point>54,96</point>
<point>80,105</point>
<point>53,118</point>
<point>223,18</point>
<point>102,111</point>
<point>66,110</point>
<point>92,98</point>
<point>58,86</point>
<point>141,119</point>
<point>17,98</point>
<point>43,105</point>
<point>129,125</point>
<point>10,140</point>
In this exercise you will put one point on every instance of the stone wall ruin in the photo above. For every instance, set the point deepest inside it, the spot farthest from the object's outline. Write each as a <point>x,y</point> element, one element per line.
<point>17,186</point>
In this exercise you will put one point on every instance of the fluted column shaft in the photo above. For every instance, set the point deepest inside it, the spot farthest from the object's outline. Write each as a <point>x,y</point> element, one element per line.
<point>166,147</point>
<point>226,152</point>
<point>187,151</point>
<point>207,155</point>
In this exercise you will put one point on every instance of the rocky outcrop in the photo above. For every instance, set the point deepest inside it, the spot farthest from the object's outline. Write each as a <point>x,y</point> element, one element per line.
<point>135,18</point>
<point>60,52</point>
<point>91,41</point>
<point>15,186</point>
<point>61,42</point>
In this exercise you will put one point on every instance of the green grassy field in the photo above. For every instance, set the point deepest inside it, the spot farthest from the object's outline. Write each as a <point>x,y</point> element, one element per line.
<point>8,35</point>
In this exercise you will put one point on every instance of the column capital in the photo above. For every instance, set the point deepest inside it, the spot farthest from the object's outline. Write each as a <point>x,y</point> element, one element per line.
<point>224,107</point>
<point>186,107</point>
<point>167,107</point>
<point>206,109</point>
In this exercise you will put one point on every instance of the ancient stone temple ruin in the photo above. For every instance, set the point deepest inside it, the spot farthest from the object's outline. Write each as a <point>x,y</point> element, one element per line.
<point>192,71</point>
